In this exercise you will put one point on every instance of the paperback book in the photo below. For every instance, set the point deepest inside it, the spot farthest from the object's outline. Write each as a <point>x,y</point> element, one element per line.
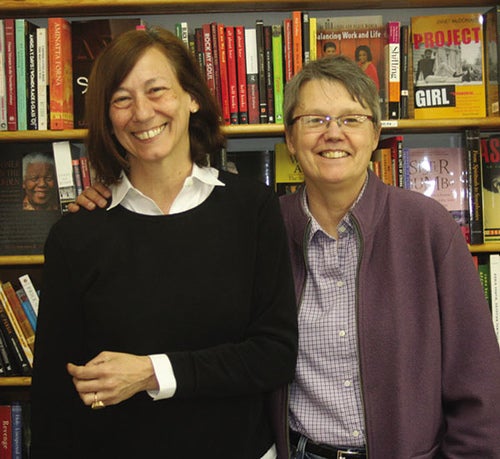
<point>448,66</point>
<point>440,173</point>
<point>288,173</point>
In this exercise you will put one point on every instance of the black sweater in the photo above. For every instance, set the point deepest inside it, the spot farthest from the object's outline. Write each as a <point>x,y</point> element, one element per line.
<point>210,287</point>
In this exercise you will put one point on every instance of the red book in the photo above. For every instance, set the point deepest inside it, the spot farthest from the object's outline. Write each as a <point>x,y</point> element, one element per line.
<point>60,74</point>
<point>224,83</point>
<point>6,431</point>
<point>10,73</point>
<point>209,57</point>
<point>252,75</point>
<point>297,40</point>
<point>288,48</point>
<point>231,75</point>
<point>241,71</point>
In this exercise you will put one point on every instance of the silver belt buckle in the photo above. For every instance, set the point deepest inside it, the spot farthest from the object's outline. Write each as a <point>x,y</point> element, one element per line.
<point>345,454</point>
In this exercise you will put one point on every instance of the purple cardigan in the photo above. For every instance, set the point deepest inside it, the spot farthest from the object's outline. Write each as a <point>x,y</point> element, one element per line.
<point>429,358</point>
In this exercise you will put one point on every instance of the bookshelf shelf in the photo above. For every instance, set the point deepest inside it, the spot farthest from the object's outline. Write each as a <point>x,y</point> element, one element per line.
<point>269,130</point>
<point>15,381</point>
<point>45,8</point>
<point>9,260</point>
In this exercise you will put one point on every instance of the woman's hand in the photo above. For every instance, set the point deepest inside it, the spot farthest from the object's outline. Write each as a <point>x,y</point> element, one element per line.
<point>112,377</point>
<point>96,195</point>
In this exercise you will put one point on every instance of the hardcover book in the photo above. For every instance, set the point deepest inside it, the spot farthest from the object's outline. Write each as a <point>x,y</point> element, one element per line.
<point>495,292</point>
<point>10,73</point>
<point>28,197</point>
<point>448,66</point>
<point>490,152</point>
<point>440,173</point>
<point>252,76</point>
<point>3,83</point>
<point>393,69</point>
<point>60,74</point>
<point>241,71</point>
<point>89,38</point>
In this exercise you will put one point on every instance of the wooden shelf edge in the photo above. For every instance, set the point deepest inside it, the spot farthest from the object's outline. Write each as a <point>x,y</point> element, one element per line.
<point>15,381</point>
<point>45,8</point>
<point>21,260</point>
<point>485,248</point>
<point>267,130</point>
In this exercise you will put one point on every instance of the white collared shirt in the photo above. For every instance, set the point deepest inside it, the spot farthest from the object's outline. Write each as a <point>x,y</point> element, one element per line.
<point>196,189</point>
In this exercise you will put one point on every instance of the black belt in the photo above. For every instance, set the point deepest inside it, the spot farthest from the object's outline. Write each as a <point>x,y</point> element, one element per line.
<point>328,452</point>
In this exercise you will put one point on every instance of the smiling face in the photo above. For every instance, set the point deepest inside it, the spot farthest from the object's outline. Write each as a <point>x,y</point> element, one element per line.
<point>39,185</point>
<point>332,156</point>
<point>150,112</point>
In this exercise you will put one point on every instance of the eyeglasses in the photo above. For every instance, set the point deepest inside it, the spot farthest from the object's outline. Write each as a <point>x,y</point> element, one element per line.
<point>318,123</point>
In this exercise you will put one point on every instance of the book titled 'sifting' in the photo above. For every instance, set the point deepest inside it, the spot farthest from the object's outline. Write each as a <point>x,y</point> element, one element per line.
<point>448,66</point>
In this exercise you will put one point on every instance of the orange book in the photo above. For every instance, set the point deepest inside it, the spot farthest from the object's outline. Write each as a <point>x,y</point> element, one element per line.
<point>60,74</point>
<point>297,40</point>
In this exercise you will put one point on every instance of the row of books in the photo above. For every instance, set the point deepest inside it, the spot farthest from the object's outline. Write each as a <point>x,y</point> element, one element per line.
<point>15,430</point>
<point>18,318</point>
<point>435,67</point>
<point>465,180</point>
<point>38,181</point>
<point>488,266</point>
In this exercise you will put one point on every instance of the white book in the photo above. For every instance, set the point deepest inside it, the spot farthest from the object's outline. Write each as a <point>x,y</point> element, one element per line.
<point>64,172</point>
<point>30,291</point>
<point>3,82</point>
<point>495,292</point>
<point>42,77</point>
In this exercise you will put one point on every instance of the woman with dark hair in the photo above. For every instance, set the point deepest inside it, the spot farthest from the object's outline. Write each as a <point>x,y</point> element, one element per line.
<point>173,309</point>
<point>363,56</point>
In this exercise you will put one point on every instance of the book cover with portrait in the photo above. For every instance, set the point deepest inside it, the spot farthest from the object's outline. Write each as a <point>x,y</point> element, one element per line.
<point>29,202</point>
<point>490,152</point>
<point>448,66</point>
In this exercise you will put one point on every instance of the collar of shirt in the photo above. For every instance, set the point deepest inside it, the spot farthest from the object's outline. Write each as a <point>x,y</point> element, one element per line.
<point>344,225</point>
<point>197,187</point>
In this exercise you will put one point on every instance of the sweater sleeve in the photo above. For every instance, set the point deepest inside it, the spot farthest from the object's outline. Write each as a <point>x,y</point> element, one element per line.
<point>265,358</point>
<point>471,373</point>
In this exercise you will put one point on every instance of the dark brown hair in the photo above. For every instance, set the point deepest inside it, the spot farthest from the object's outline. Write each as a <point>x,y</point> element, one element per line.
<point>112,66</point>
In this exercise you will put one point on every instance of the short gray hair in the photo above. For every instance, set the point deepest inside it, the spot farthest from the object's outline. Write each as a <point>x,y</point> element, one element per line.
<point>338,69</point>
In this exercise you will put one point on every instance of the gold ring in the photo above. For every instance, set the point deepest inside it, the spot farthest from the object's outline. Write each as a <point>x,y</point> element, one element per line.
<point>97,404</point>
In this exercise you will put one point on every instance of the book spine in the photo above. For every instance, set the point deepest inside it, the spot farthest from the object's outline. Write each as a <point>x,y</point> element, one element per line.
<point>269,73</point>
<point>22,363</point>
<point>312,38</point>
<point>17,430</point>
<point>261,71</point>
<point>252,75</point>
<point>277,49</point>
<point>6,432</point>
<point>20,315</point>
<point>64,170</point>
<point>31,293</point>
<point>9,368</point>
<point>77,175</point>
<point>232,78</point>
<point>492,54</point>
<point>215,53</point>
<point>31,84</point>
<point>3,83</point>
<point>404,33</point>
<point>223,74</point>
<point>393,68</point>
<point>42,78</point>
<point>26,305</point>
<point>60,74</point>
<point>85,171</point>
<point>10,73</point>
<point>306,38</point>
<point>241,71</point>
<point>209,58</point>
<point>288,48</point>
<point>297,41</point>
<point>198,49</point>
<point>495,292</point>
<point>474,185</point>
<point>20,31</point>
<point>28,351</point>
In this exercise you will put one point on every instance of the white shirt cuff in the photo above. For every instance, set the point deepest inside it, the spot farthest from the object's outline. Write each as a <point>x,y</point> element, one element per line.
<point>165,377</point>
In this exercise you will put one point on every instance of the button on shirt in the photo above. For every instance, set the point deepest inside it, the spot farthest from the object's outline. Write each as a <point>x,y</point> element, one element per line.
<point>196,189</point>
<point>325,397</point>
